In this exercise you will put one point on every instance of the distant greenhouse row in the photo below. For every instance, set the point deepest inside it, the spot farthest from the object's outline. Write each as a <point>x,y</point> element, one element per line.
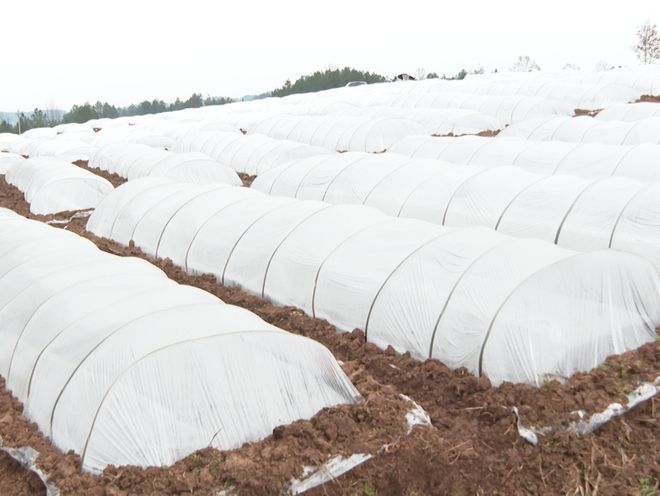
<point>578,213</point>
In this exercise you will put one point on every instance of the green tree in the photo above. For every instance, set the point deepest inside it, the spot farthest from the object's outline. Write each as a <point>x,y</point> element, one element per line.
<point>325,80</point>
<point>80,113</point>
<point>5,127</point>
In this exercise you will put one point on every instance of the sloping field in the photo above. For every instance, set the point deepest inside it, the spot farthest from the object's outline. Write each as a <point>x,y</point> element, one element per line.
<point>432,287</point>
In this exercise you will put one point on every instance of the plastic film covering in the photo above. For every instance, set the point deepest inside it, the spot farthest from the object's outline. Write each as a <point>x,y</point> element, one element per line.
<point>423,288</point>
<point>52,185</point>
<point>629,112</point>
<point>542,157</point>
<point>339,132</point>
<point>123,366</point>
<point>132,161</point>
<point>577,95</point>
<point>645,79</point>
<point>7,160</point>
<point>69,149</point>
<point>579,213</point>
<point>508,109</point>
<point>7,139</point>
<point>251,154</point>
<point>586,129</point>
<point>437,122</point>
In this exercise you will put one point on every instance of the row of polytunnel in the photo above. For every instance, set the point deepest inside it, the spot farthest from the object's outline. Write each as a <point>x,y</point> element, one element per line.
<point>118,363</point>
<point>251,154</point>
<point>542,157</point>
<point>51,185</point>
<point>562,209</point>
<point>470,297</point>
<point>629,112</point>
<point>339,132</point>
<point>7,160</point>
<point>586,129</point>
<point>133,160</point>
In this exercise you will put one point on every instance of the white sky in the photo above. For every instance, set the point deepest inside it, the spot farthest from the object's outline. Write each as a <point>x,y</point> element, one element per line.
<point>57,53</point>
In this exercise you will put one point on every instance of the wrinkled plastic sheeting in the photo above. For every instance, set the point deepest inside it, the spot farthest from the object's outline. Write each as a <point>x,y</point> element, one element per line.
<point>416,415</point>
<point>333,468</point>
<point>78,215</point>
<point>582,427</point>
<point>338,465</point>
<point>26,456</point>
<point>643,393</point>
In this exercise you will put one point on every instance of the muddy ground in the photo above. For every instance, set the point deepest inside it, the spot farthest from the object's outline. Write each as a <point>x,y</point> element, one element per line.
<point>649,98</point>
<point>472,446</point>
<point>115,179</point>
<point>589,113</point>
<point>484,134</point>
<point>247,179</point>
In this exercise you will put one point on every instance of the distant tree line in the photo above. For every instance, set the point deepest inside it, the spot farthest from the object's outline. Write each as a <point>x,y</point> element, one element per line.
<point>327,79</point>
<point>87,111</point>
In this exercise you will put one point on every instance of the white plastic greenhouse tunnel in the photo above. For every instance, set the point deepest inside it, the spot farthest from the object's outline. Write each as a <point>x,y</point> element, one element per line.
<point>508,109</point>
<point>541,157</point>
<point>251,154</point>
<point>123,366</point>
<point>577,95</point>
<point>69,150</point>
<point>436,122</point>
<point>129,134</point>
<point>132,161</point>
<point>577,213</point>
<point>645,79</point>
<point>587,129</point>
<point>470,297</point>
<point>8,160</point>
<point>629,112</point>
<point>52,185</point>
<point>339,132</point>
<point>6,140</point>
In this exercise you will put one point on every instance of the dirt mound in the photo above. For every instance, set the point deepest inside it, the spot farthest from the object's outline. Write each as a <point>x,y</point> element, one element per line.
<point>115,179</point>
<point>472,447</point>
<point>485,134</point>
<point>17,481</point>
<point>590,113</point>
<point>649,98</point>
<point>247,179</point>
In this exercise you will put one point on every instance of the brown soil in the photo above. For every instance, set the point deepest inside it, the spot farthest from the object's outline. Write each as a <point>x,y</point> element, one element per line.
<point>115,179</point>
<point>17,481</point>
<point>246,178</point>
<point>486,134</point>
<point>649,98</point>
<point>471,448</point>
<point>590,113</point>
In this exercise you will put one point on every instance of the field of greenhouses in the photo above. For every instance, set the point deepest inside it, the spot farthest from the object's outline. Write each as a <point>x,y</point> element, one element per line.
<point>414,287</point>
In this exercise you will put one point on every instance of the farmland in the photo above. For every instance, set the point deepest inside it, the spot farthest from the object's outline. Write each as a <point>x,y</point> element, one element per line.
<point>408,287</point>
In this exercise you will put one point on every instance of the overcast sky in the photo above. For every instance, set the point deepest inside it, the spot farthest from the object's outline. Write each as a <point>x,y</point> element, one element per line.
<point>57,53</point>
